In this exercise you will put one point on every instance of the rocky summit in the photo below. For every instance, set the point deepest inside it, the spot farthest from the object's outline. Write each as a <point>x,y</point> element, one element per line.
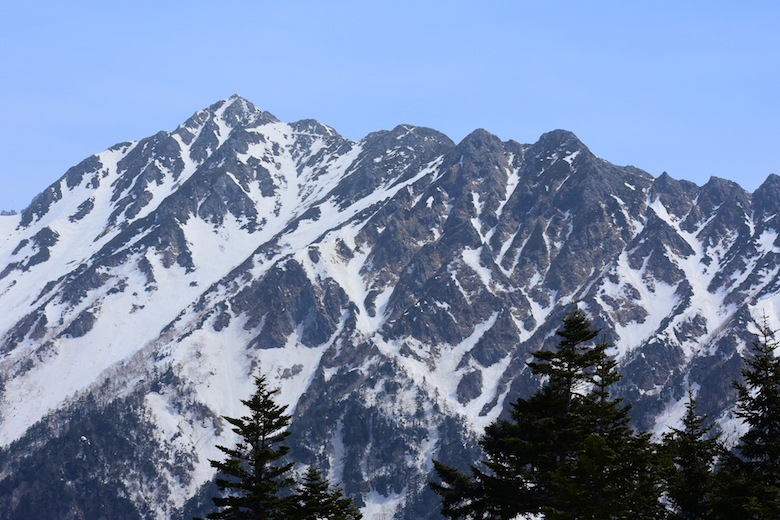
<point>392,288</point>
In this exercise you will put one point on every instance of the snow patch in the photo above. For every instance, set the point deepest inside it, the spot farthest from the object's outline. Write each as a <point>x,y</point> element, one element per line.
<point>380,507</point>
<point>570,158</point>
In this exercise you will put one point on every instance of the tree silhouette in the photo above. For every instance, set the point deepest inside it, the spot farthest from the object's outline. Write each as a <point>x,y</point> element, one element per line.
<point>316,499</point>
<point>252,477</point>
<point>691,453</point>
<point>748,479</point>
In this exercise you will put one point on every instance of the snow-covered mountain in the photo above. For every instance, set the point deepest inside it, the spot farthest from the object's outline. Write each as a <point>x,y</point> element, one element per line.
<point>393,288</point>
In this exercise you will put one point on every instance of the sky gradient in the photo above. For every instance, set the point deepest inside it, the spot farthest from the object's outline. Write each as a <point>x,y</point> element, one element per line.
<point>690,88</point>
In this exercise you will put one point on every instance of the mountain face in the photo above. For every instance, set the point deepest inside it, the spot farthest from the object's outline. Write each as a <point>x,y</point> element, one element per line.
<point>392,288</point>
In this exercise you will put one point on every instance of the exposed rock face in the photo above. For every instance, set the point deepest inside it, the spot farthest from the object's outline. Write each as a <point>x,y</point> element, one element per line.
<point>393,288</point>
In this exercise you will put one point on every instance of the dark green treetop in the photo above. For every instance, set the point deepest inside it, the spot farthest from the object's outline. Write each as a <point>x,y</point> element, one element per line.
<point>567,365</point>
<point>690,454</point>
<point>748,478</point>
<point>317,499</point>
<point>252,477</point>
<point>612,473</point>
<point>567,452</point>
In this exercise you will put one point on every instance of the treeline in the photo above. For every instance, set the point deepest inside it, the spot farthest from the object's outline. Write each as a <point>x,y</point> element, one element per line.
<point>568,452</point>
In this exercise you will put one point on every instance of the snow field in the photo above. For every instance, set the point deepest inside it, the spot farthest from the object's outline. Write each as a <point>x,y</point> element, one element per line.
<point>435,369</point>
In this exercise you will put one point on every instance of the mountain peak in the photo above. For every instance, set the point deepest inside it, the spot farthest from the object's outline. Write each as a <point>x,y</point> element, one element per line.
<point>238,111</point>
<point>480,139</point>
<point>561,140</point>
<point>234,111</point>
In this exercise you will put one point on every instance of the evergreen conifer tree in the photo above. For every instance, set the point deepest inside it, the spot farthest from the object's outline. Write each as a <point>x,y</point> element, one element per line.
<point>252,476</point>
<point>316,499</point>
<point>463,496</point>
<point>691,453</point>
<point>613,473</point>
<point>524,453</point>
<point>567,365</point>
<point>748,479</point>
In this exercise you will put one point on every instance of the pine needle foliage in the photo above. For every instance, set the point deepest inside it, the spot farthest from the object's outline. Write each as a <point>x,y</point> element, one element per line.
<point>317,499</point>
<point>748,479</point>
<point>566,452</point>
<point>690,453</point>
<point>252,477</point>
<point>612,472</point>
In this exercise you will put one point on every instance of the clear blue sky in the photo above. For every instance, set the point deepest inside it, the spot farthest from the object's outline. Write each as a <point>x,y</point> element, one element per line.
<point>687,87</point>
